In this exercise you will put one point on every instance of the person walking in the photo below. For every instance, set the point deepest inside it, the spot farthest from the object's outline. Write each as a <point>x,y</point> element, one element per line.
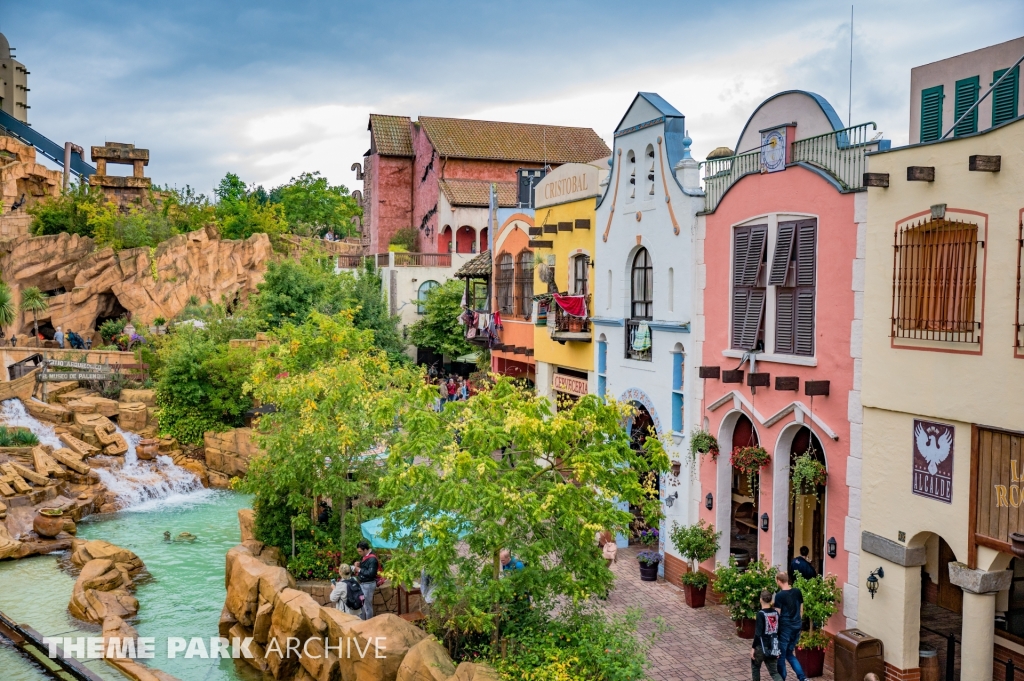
<point>59,337</point>
<point>801,565</point>
<point>451,389</point>
<point>765,647</point>
<point>789,601</point>
<point>345,586</point>
<point>366,573</point>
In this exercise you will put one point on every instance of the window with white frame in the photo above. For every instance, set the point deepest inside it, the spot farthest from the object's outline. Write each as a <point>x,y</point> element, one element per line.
<point>580,284</point>
<point>774,287</point>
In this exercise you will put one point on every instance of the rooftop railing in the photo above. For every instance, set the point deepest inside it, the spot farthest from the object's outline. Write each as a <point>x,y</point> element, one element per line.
<point>840,153</point>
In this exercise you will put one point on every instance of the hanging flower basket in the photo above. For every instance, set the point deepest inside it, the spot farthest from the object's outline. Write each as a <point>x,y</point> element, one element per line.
<point>808,473</point>
<point>750,460</point>
<point>703,443</point>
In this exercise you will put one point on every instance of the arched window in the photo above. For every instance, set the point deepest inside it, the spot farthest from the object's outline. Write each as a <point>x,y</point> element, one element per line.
<point>649,170</point>
<point>421,295</point>
<point>642,290</point>
<point>503,284</point>
<point>524,284</point>
<point>580,284</point>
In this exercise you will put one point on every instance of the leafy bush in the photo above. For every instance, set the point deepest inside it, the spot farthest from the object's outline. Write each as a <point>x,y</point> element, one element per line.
<point>112,328</point>
<point>159,321</point>
<point>439,330</point>
<point>582,642</point>
<point>65,213</point>
<point>741,588</point>
<point>17,437</point>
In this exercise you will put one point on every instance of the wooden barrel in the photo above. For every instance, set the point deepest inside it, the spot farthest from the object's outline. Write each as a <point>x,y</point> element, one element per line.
<point>929,662</point>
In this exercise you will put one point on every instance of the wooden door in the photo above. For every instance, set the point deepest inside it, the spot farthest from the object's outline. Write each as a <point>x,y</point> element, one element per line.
<point>951,597</point>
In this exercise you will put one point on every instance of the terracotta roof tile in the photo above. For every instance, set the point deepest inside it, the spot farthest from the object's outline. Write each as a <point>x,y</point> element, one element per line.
<point>480,266</point>
<point>391,135</point>
<point>477,193</point>
<point>524,142</point>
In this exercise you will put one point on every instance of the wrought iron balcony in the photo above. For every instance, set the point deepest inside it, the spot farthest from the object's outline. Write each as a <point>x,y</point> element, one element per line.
<point>564,327</point>
<point>840,153</point>
<point>634,349</point>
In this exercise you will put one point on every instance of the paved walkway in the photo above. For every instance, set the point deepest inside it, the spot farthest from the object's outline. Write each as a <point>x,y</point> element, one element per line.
<point>701,644</point>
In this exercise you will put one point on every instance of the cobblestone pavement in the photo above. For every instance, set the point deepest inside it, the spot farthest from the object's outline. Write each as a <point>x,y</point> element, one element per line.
<point>700,646</point>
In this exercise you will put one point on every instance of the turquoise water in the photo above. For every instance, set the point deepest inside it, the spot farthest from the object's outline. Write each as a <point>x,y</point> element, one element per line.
<point>182,597</point>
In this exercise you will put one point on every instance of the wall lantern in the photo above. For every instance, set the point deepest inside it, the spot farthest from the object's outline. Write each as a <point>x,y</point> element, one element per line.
<point>831,547</point>
<point>670,499</point>
<point>873,581</point>
<point>709,501</point>
<point>764,522</point>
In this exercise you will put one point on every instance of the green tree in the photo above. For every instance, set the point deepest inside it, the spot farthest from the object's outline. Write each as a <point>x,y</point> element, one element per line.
<point>242,212</point>
<point>501,471</point>
<point>291,289</point>
<point>186,210</point>
<point>66,212</point>
<point>201,382</point>
<point>365,294</point>
<point>35,301</point>
<point>337,397</point>
<point>439,330</point>
<point>312,205</point>
<point>7,310</point>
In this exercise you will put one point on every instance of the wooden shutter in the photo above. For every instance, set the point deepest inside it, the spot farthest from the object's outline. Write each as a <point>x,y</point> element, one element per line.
<point>1004,97</point>
<point>748,298</point>
<point>794,304</point>
<point>805,322</point>
<point>783,252</point>
<point>965,97</point>
<point>805,253</point>
<point>505,279</point>
<point>785,303</point>
<point>931,113</point>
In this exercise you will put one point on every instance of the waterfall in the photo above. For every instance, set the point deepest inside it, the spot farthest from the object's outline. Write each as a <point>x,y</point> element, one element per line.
<point>134,484</point>
<point>13,413</point>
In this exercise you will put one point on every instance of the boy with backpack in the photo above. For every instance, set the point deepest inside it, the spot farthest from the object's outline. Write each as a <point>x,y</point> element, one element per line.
<point>347,593</point>
<point>765,647</point>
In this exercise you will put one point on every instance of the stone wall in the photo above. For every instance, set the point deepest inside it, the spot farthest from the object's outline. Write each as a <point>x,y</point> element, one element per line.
<point>229,452</point>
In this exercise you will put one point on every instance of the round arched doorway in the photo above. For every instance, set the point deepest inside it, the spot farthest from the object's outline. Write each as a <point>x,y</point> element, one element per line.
<point>806,506</point>
<point>743,520</point>
<point>641,427</point>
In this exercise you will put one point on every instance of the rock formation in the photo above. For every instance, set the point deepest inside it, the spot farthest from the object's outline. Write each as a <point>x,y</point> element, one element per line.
<point>101,590</point>
<point>229,452</point>
<point>23,182</point>
<point>89,284</point>
<point>263,603</point>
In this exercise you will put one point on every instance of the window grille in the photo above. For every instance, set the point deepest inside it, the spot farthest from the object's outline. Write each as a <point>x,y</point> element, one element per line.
<point>503,284</point>
<point>935,281</point>
<point>524,284</point>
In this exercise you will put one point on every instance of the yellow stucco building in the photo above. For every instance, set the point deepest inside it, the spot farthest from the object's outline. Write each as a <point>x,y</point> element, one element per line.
<point>943,397</point>
<point>563,244</point>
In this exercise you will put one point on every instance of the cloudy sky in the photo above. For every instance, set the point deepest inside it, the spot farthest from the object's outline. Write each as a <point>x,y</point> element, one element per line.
<point>270,89</point>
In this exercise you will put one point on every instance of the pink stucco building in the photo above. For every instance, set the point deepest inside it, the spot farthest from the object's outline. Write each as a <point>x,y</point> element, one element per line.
<point>780,261</point>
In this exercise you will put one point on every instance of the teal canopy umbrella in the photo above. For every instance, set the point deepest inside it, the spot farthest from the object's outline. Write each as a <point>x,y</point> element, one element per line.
<point>373,532</point>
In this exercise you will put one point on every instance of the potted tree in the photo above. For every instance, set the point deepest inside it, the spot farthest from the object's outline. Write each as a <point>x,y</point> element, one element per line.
<point>821,600</point>
<point>697,543</point>
<point>649,561</point>
<point>740,589</point>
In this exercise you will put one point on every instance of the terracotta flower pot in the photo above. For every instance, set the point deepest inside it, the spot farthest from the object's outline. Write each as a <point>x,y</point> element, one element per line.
<point>745,628</point>
<point>812,660</point>
<point>48,524</point>
<point>147,449</point>
<point>648,573</point>
<point>695,595</point>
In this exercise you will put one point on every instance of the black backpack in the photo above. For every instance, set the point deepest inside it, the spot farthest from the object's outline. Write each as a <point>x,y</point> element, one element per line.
<point>353,594</point>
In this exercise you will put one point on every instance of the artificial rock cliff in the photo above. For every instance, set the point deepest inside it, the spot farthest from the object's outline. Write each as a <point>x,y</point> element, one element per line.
<point>87,284</point>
